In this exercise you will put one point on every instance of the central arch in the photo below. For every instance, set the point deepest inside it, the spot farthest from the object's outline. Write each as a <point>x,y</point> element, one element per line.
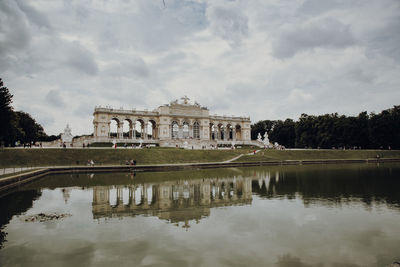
<point>174,129</point>
<point>185,130</point>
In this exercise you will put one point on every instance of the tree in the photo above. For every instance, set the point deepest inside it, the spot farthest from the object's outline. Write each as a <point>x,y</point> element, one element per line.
<point>28,130</point>
<point>7,118</point>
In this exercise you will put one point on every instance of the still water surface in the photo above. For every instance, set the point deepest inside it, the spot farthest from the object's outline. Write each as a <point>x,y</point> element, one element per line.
<point>330,215</point>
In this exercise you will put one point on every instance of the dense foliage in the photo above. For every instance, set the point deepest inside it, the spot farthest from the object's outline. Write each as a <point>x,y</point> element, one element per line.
<point>331,130</point>
<point>17,126</point>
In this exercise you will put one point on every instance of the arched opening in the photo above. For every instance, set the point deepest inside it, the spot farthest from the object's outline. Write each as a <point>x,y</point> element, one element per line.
<point>174,129</point>
<point>114,123</point>
<point>196,130</point>
<point>185,130</point>
<point>213,131</point>
<point>127,128</point>
<point>238,132</point>
<point>151,129</point>
<point>221,131</point>
<point>139,128</point>
<point>229,132</point>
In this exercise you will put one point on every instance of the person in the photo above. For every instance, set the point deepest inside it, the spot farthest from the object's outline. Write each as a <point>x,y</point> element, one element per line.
<point>83,145</point>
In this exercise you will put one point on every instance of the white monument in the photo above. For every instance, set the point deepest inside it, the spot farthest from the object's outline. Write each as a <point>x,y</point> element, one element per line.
<point>266,140</point>
<point>67,136</point>
<point>259,139</point>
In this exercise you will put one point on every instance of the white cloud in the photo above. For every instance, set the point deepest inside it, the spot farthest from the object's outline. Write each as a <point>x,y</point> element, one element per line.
<point>266,59</point>
<point>299,96</point>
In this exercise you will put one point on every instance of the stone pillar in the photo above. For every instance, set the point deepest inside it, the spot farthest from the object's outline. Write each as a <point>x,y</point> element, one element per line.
<point>145,130</point>
<point>120,133</point>
<point>180,132</point>
<point>234,134</point>
<point>225,133</point>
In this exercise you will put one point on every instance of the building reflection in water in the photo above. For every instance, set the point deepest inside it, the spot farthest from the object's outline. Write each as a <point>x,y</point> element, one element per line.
<point>175,201</point>
<point>191,199</point>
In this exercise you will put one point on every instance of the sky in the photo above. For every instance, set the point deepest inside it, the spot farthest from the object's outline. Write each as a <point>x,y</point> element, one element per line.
<point>267,59</point>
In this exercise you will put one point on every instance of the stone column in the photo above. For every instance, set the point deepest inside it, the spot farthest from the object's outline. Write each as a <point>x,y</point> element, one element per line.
<point>145,130</point>
<point>225,133</point>
<point>180,132</point>
<point>120,133</point>
<point>234,134</point>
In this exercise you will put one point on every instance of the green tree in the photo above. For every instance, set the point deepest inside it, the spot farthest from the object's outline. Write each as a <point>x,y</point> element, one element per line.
<point>28,130</point>
<point>7,118</point>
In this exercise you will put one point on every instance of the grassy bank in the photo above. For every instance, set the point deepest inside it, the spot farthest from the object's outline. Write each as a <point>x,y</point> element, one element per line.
<point>73,157</point>
<point>68,157</point>
<point>270,155</point>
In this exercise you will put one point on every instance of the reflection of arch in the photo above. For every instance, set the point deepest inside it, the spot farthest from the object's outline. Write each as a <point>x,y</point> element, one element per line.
<point>174,129</point>
<point>185,130</point>
<point>196,130</point>
<point>238,129</point>
<point>114,125</point>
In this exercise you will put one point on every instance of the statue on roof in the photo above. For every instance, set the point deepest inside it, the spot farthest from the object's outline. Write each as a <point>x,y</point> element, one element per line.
<point>185,100</point>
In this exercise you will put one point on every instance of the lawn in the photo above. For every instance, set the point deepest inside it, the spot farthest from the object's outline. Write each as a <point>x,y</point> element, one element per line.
<point>314,154</point>
<point>107,156</point>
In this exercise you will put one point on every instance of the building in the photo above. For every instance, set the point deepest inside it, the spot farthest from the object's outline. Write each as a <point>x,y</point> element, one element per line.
<point>174,124</point>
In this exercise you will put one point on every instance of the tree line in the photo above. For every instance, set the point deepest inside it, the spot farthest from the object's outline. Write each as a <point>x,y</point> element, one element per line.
<point>374,131</point>
<point>18,126</point>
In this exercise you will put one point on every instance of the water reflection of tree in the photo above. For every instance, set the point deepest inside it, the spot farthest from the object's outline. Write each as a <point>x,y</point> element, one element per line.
<point>369,185</point>
<point>14,204</point>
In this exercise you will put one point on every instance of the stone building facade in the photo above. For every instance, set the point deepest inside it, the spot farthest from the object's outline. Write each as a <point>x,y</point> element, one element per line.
<point>173,124</point>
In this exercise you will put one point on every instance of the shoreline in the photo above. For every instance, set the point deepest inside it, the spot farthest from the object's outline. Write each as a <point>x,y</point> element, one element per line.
<point>10,182</point>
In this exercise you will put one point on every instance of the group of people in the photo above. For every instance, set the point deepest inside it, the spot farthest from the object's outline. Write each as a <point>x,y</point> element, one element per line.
<point>130,162</point>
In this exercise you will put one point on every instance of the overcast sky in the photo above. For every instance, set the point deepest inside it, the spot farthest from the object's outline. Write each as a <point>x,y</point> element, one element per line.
<point>267,59</point>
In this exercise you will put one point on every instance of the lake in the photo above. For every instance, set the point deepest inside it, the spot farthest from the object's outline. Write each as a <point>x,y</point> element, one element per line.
<point>320,215</point>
